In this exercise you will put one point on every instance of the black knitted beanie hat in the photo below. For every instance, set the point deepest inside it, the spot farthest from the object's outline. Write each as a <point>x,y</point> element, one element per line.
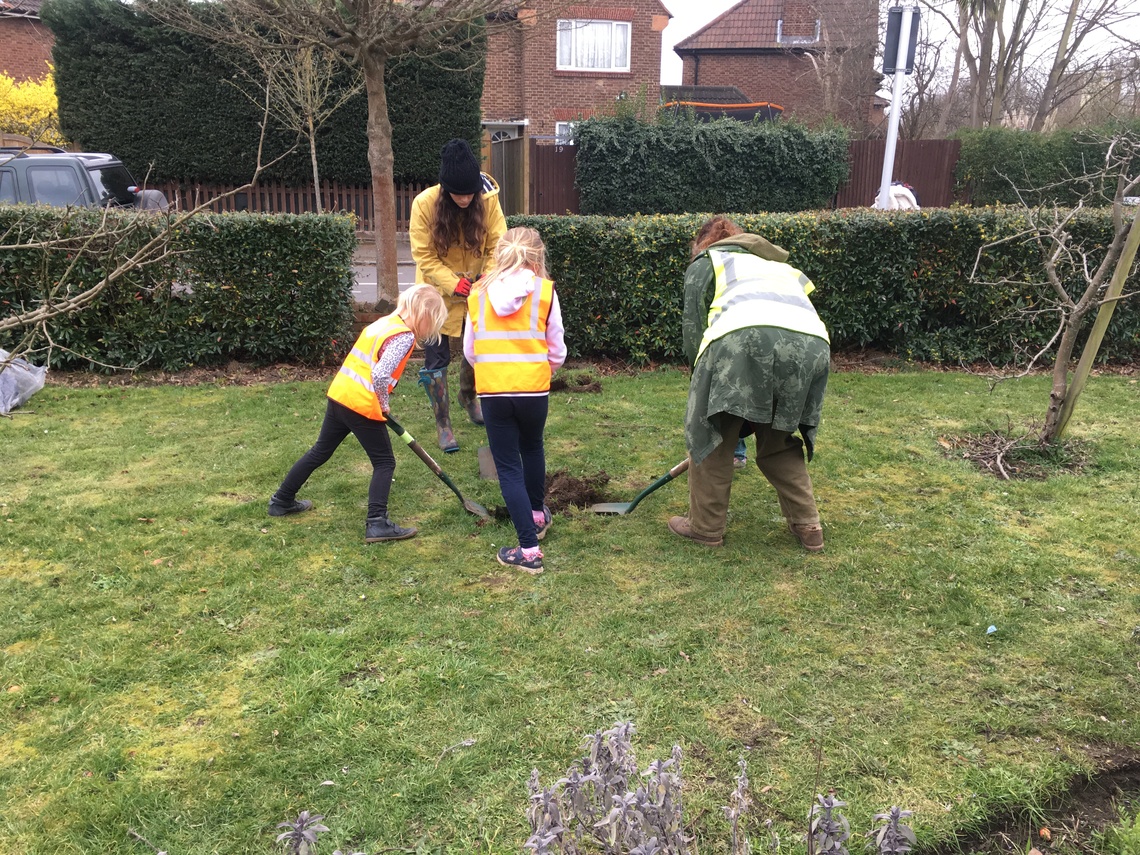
<point>458,169</point>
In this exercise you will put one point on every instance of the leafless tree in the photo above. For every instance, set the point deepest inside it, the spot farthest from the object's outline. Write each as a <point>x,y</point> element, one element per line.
<point>1083,21</point>
<point>302,85</point>
<point>842,58</point>
<point>1003,46</point>
<point>1064,259</point>
<point>924,100</point>
<point>366,34</point>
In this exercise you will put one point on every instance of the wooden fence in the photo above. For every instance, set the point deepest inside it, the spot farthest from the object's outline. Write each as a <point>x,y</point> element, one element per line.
<point>273,197</point>
<point>927,165</point>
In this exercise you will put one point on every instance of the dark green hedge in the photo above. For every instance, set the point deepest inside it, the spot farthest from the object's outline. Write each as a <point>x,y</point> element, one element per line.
<point>995,163</point>
<point>677,164</point>
<point>898,282</point>
<point>250,287</point>
<point>165,102</point>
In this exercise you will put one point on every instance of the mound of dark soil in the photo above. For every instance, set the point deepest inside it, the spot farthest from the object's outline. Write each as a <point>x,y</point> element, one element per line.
<point>563,490</point>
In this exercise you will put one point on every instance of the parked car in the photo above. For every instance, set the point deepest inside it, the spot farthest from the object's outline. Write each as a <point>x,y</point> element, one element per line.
<point>67,178</point>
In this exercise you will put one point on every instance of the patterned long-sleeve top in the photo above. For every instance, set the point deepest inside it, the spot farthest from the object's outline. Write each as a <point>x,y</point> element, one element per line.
<point>392,353</point>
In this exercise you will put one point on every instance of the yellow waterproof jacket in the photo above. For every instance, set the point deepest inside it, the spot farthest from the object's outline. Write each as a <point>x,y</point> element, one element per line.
<point>352,385</point>
<point>444,273</point>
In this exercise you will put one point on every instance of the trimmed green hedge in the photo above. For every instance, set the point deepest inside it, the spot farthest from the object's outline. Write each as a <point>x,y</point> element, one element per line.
<point>894,281</point>
<point>250,287</point>
<point>166,104</point>
<point>995,162</point>
<point>677,164</point>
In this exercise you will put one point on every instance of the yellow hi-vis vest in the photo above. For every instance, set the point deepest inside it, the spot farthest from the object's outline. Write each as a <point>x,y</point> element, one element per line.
<point>511,355</point>
<point>352,385</point>
<point>754,292</point>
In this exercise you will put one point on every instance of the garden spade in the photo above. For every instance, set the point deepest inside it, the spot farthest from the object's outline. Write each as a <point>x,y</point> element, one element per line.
<point>468,505</point>
<point>626,507</point>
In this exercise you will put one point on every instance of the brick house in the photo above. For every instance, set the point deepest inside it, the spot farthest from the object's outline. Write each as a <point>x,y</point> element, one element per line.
<point>25,42</point>
<point>814,58</point>
<point>553,62</point>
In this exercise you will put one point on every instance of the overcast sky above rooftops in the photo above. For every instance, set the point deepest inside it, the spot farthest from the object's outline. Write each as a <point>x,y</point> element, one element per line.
<point>688,17</point>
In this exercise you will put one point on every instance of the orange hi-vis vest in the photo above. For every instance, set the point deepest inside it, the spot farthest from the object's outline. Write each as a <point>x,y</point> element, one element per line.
<point>511,356</point>
<point>352,385</point>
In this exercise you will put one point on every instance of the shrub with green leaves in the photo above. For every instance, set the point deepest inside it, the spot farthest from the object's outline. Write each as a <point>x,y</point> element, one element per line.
<point>677,164</point>
<point>111,57</point>
<point>902,282</point>
<point>995,163</point>
<point>232,286</point>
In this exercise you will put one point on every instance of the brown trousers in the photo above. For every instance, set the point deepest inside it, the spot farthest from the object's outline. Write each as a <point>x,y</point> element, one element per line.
<point>780,456</point>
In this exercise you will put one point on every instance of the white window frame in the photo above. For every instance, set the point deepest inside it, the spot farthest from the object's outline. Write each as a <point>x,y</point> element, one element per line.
<point>564,133</point>
<point>619,31</point>
<point>781,39</point>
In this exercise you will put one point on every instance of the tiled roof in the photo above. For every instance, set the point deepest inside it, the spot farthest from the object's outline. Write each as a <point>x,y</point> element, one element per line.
<point>751,24</point>
<point>30,8</point>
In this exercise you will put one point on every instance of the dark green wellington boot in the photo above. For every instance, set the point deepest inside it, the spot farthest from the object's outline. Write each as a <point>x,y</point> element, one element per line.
<point>467,397</point>
<point>434,382</point>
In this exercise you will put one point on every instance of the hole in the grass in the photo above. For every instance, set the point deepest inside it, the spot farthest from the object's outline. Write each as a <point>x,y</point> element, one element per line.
<point>563,490</point>
<point>1073,822</point>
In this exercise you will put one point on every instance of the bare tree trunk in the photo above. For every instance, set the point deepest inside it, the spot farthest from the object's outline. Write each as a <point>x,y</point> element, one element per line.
<point>951,93</point>
<point>1100,325</point>
<point>1060,388</point>
<point>383,187</point>
<point>986,26</point>
<point>313,159</point>
<point>1008,54</point>
<point>1060,61</point>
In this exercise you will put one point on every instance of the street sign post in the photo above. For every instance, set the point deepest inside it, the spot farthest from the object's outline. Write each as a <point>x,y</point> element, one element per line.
<point>898,59</point>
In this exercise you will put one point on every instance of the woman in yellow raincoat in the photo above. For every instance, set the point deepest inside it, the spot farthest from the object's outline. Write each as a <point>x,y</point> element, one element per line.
<point>455,226</point>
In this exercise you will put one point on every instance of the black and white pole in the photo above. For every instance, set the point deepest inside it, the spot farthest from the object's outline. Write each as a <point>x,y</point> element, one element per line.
<point>898,59</point>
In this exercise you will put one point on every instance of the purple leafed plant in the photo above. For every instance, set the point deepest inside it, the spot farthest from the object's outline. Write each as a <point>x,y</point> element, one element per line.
<point>892,837</point>
<point>596,807</point>
<point>302,832</point>
<point>828,828</point>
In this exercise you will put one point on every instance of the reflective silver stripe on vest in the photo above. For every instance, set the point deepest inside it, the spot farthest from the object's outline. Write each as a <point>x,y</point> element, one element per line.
<point>510,336</point>
<point>521,357</point>
<point>356,378</point>
<point>763,293</point>
<point>532,333</point>
<point>753,288</point>
<point>360,354</point>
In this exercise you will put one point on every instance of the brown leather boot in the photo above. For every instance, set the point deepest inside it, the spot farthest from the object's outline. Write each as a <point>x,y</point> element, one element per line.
<point>810,535</point>
<point>682,526</point>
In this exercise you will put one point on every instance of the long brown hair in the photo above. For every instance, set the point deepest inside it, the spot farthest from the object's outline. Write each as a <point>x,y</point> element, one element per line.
<point>714,229</point>
<point>455,226</point>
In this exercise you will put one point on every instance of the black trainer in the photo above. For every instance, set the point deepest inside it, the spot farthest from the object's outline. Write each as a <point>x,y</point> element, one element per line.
<point>277,508</point>
<point>512,556</point>
<point>380,529</point>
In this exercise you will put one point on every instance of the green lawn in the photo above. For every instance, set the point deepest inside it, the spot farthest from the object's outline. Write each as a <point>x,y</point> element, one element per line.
<point>175,662</point>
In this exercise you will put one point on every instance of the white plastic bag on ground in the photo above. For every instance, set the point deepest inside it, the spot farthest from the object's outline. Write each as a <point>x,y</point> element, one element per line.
<point>19,380</point>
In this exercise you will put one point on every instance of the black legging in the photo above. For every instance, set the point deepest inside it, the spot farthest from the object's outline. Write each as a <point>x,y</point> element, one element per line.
<point>339,422</point>
<point>437,355</point>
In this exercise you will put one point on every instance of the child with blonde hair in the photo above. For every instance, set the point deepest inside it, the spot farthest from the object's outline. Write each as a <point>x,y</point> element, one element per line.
<point>358,404</point>
<point>515,342</point>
